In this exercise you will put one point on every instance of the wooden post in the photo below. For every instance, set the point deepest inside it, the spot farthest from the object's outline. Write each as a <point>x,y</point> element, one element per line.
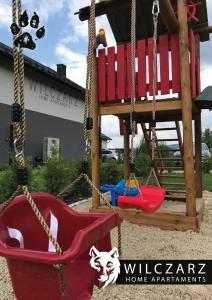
<point>198,155</point>
<point>186,109</point>
<point>126,152</point>
<point>95,134</point>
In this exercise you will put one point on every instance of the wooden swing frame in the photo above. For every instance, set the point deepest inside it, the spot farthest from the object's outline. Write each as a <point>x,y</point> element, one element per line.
<point>167,110</point>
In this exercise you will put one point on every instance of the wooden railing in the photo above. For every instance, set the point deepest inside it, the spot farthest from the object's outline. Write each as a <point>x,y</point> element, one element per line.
<point>114,69</point>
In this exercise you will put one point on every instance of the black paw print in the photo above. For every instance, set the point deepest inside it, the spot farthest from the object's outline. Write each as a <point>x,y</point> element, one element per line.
<point>25,39</point>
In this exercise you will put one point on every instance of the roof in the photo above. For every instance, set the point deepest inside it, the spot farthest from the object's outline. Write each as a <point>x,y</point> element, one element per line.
<point>105,137</point>
<point>38,67</point>
<point>118,14</point>
<point>204,101</point>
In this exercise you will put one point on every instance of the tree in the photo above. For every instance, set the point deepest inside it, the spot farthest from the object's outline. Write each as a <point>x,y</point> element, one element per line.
<point>207,137</point>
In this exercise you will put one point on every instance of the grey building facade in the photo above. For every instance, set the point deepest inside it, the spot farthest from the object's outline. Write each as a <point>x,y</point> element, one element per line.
<point>54,104</point>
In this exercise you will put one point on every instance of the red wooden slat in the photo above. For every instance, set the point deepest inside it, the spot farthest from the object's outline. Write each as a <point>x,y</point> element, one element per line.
<point>102,76</point>
<point>121,72</point>
<point>129,71</point>
<point>192,63</point>
<point>150,60</point>
<point>111,79</point>
<point>175,57</point>
<point>141,52</point>
<point>164,64</point>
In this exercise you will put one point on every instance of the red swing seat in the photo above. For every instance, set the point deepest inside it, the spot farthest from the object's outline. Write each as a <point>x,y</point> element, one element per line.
<point>151,200</point>
<point>31,268</point>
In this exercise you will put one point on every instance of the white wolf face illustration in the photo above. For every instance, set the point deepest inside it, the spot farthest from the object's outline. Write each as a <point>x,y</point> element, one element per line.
<point>107,262</point>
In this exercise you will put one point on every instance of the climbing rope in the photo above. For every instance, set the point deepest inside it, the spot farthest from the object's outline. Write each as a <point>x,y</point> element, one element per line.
<point>19,132</point>
<point>88,122</point>
<point>155,13</point>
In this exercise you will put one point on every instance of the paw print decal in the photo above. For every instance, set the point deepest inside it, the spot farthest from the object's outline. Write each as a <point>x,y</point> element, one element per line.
<point>25,39</point>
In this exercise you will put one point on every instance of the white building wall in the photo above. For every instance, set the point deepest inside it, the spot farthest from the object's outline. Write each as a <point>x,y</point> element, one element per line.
<point>42,97</point>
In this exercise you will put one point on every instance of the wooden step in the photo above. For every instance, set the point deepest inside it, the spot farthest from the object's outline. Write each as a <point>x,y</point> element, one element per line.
<point>161,129</point>
<point>182,192</point>
<point>174,183</point>
<point>180,198</point>
<point>173,168</point>
<point>171,176</point>
<point>168,159</point>
<point>166,140</point>
<point>164,149</point>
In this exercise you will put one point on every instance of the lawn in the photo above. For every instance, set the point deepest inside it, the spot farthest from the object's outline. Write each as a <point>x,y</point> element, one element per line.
<point>207,182</point>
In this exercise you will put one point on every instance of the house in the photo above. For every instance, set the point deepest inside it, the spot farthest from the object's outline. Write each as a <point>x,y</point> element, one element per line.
<point>104,141</point>
<point>55,107</point>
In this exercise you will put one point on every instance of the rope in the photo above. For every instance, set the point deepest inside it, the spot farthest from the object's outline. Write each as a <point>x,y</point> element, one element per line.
<point>7,203</point>
<point>89,78</point>
<point>66,191</point>
<point>19,132</point>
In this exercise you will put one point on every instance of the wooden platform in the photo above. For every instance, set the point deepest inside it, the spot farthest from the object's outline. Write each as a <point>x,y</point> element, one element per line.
<point>167,110</point>
<point>170,217</point>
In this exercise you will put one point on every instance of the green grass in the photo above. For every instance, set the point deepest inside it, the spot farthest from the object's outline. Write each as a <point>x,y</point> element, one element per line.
<point>207,182</point>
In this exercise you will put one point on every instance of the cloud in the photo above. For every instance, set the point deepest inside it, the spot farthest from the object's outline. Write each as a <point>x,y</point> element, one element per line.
<point>75,62</point>
<point>5,14</point>
<point>45,9</point>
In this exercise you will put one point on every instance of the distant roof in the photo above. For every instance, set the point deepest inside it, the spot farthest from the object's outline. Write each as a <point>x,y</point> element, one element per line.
<point>118,14</point>
<point>38,67</point>
<point>105,137</point>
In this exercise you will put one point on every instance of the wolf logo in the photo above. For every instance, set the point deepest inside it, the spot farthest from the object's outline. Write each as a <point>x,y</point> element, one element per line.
<point>106,262</point>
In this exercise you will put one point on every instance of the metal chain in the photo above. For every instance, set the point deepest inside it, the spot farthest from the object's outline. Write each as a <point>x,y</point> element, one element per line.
<point>133,95</point>
<point>155,13</point>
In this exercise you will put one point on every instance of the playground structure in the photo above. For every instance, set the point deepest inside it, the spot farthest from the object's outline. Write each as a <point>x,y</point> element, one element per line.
<point>182,26</point>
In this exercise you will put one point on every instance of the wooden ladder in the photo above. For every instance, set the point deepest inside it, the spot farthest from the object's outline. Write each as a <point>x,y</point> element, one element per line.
<point>166,166</point>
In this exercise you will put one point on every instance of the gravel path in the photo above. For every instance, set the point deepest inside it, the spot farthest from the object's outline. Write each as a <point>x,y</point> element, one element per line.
<point>141,242</point>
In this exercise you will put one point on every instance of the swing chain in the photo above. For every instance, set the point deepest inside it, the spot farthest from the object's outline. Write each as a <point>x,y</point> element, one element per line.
<point>156,8</point>
<point>133,98</point>
<point>155,13</point>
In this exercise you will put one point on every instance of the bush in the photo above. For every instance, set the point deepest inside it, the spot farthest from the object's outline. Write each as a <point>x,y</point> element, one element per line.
<point>111,172</point>
<point>38,183</point>
<point>8,184</point>
<point>142,164</point>
<point>56,175</point>
<point>207,164</point>
<point>8,181</point>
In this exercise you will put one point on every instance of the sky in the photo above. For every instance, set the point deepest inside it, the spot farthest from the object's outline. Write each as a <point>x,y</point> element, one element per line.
<point>66,42</point>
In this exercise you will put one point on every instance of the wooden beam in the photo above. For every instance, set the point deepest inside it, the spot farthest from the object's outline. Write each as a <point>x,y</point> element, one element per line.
<point>95,134</point>
<point>165,220</point>
<point>126,152</point>
<point>168,16</point>
<point>186,108</point>
<point>204,30</point>
<point>140,107</point>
